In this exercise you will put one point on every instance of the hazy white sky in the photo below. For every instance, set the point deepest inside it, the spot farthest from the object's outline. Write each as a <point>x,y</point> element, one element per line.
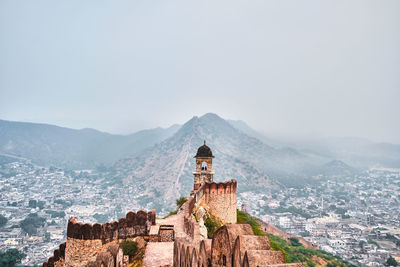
<point>326,67</point>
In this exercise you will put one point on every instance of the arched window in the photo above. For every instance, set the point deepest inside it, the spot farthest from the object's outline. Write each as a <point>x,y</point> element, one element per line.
<point>204,166</point>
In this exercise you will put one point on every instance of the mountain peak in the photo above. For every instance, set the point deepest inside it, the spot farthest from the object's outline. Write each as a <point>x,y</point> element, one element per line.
<point>210,115</point>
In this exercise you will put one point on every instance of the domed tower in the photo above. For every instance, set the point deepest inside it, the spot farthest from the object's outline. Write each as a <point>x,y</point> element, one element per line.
<point>204,171</point>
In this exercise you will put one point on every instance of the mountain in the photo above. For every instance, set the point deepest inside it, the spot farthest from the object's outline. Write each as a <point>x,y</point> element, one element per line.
<point>163,157</point>
<point>63,147</point>
<point>359,153</point>
<point>335,168</point>
<point>242,126</point>
<point>168,165</point>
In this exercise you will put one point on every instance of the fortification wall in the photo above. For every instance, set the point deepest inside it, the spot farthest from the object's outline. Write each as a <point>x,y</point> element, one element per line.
<point>80,251</point>
<point>58,255</point>
<point>220,198</point>
<point>232,245</point>
<point>190,226</point>
<point>86,241</point>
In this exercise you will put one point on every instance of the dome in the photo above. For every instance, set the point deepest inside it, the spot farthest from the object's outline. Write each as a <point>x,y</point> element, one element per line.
<point>204,152</point>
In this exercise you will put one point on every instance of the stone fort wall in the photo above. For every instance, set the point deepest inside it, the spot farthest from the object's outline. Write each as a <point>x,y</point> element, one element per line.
<point>58,255</point>
<point>231,245</point>
<point>86,241</point>
<point>220,198</point>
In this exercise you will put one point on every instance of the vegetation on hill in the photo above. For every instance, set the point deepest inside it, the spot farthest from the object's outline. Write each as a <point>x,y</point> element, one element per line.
<point>135,250</point>
<point>3,220</point>
<point>212,224</point>
<point>11,257</point>
<point>391,262</point>
<point>292,250</point>
<point>31,223</point>
<point>180,201</point>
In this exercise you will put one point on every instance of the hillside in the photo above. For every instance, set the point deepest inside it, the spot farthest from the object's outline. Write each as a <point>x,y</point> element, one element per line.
<point>168,165</point>
<point>294,249</point>
<point>163,156</point>
<point>69,148</point>
<point>335,168</point>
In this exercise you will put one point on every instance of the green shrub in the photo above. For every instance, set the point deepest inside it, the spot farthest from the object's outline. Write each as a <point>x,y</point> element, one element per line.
<point>11,257</point>
<point>31,223</point>
<point>212,224</point>
<point>310,263</point>
<point>180,201</point>
<point>171,213</point>
<point>292,250</point>
<point>129,247</point>
<point>244,218</point>
<point>294,242</point>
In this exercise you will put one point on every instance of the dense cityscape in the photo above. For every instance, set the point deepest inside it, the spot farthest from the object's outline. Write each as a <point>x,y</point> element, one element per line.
<point>36,203</point>
<point>358,220</point>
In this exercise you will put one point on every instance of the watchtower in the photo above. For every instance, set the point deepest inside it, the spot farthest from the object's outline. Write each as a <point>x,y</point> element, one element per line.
<point>203,172</point>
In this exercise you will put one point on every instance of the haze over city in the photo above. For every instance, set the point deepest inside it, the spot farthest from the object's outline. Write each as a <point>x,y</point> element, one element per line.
<point>199,133</point>
<point>330,68</point>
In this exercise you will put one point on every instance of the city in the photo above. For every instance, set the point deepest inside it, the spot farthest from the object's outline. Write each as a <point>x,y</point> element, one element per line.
<point>358,220</point>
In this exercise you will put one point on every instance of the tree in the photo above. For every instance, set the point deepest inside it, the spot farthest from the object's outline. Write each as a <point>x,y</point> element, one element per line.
<point>47,236</point>
<point>129,247</point>
<point>294,241</point>
<point>31,223</point>
<point>304,234</point>
<point>3,220</point>
<point>391,261</point>
<point>32,203</point>
<point>180,201</point>
<point>212,224</point>
<point>40,204</point>
<point>11,257</point>
<point>362,243</point>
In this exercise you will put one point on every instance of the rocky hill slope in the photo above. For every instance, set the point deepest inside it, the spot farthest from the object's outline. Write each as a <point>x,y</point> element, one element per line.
<point>168,165</point>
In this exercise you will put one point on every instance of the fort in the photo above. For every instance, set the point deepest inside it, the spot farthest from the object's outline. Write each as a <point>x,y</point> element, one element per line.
<point>180,240</point>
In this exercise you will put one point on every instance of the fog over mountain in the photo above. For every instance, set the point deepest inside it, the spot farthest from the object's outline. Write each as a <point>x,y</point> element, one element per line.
<point>69,148</point>
<point>163,158</point>
<point>328,68</point>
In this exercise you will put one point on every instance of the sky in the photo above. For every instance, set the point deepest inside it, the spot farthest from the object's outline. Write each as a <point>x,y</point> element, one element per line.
<point>328,68</point>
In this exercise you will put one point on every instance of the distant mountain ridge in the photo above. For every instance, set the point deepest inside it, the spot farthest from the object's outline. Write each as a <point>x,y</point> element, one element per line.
<point>240,152</point>
<point>63,147</point>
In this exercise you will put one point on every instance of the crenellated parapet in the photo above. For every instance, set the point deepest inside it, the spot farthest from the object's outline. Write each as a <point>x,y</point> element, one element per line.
<point>85,240</point>
<point>228,187</point>
<point>134,224</point>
